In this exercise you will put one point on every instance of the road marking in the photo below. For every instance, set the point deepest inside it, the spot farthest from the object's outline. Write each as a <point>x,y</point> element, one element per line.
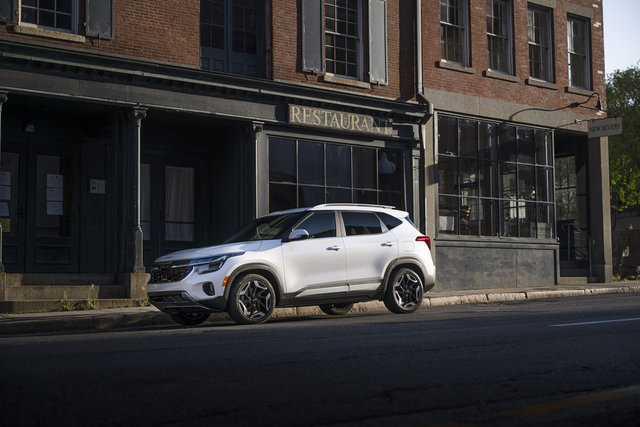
<point>553,406</point>
<point>632,319</point>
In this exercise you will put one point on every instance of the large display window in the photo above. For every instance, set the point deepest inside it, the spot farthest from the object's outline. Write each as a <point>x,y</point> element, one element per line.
<point>494,179</point>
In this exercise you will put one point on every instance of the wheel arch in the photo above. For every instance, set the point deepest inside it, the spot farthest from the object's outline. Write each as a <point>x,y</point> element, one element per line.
<point>410,263</point>
<point>264,270</point>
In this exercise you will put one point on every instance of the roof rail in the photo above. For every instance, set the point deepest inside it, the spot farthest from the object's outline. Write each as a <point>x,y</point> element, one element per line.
<point>362,205</point>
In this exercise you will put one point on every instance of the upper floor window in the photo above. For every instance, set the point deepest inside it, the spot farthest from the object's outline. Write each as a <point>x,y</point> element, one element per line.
<point>51,14</point>
<point>232,36</point>
<point>540,59</point>
<point>499,39</point>
<point>578,46</point>
<point>342,37</point>
<point>453,31</point>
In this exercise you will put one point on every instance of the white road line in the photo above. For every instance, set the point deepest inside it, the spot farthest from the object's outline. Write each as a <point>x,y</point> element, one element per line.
<point>632,319</point>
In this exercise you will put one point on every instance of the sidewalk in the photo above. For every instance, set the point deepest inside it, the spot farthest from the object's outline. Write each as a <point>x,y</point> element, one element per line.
<point>31,323</point>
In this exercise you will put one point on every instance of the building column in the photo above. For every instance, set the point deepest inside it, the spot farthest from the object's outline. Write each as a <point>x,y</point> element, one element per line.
<point>133,231</point>
<point>600,201</point>
<point>3,99</point>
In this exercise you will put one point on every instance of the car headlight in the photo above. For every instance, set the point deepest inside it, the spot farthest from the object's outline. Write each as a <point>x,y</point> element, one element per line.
<point>212,263</point>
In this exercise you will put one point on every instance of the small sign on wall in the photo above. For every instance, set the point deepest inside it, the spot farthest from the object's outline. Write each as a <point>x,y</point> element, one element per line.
<point>97,186</point>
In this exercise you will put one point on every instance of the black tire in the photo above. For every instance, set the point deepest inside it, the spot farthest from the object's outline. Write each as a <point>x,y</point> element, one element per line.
<point>336,309</point>
<point>404,291</point>
<point>251,300</point>
<point>191,318</point>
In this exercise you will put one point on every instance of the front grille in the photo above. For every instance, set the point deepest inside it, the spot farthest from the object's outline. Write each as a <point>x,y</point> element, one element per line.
<point>169,298</point>
<point>164,272</point>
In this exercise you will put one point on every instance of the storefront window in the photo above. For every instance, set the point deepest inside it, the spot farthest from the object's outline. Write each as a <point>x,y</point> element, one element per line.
<point>494,179</point>
<point>307,173</point>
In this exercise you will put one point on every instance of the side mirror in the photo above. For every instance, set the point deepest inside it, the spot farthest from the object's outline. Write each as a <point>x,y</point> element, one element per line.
<point>298,234</point>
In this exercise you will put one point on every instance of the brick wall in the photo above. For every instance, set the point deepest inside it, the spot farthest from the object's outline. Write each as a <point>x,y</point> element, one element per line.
<point>477,84</point>
<point>143,29</point>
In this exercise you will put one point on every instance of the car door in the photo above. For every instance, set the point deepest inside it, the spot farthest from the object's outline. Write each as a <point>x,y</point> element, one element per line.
<point>369,248</point>
<point>315,266</point>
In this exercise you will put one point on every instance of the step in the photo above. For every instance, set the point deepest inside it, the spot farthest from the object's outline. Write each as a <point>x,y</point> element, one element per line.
<point>46,305</point>
<point>42,279</point>
<point>573,280</point>
<point>63,292</point>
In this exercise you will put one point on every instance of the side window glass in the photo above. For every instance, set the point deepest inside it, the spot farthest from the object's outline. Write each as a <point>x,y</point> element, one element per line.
<point>356,223</point>
<point>388,220</point>
<point>319,224</point>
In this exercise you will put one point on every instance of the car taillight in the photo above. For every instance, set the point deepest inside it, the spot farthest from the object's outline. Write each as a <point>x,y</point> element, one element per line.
<point>424,239</point>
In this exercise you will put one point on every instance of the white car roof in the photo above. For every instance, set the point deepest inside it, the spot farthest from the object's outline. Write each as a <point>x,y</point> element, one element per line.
<point>350,207</point>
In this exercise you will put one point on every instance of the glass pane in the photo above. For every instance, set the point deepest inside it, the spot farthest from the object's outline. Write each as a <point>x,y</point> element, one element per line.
<point>527,219</point>
<point>338,166</point>
<point>179,204</point>
<point>357,223</point>
<point>366,197</point>
<point>545,221</point>
<point>526,146</point>
<point>390,170</point>
<point>488,141</point>
<point>310,196</point>
<point>543,184</point>
<point>394,199</point>
<point>507,180</point>
<point>543,141</point>
<point>447,175</point>
<point>311,163</point>
<point>53,201</point>
<point>509,218</point>
<point>468,138</point>
<point>507,143</point>
<point>282,160</point>
<point>488,214</point>
<point>338,195</point>
<point>9,187</point>
<point>319,225</point>
<point>469,216</point>
<point>448,215</point>
<point>468,177</point>
<point>448,135</point>
<point>281,197</point>
<point>526,183</point>
<point>364,168</point>
<point>488,187</point>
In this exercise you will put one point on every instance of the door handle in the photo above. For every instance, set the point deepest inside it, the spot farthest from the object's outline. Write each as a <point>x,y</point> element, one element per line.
<point>389,244</point>
<point>333,248</point>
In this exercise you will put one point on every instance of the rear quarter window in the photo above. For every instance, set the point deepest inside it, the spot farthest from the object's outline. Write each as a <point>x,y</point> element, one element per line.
<point>388,220</point>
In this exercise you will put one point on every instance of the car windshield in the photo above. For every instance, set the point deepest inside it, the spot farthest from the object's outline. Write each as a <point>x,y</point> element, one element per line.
<point>265,228</point>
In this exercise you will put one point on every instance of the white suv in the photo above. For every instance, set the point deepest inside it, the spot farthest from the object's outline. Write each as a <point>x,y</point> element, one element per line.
<point>329,255</point>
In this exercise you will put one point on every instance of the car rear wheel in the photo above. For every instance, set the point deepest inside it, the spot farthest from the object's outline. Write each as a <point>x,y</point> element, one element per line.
<point>190,319</point>
<point>252,299</point>
<point>336,309</point>
<point>404,292</point>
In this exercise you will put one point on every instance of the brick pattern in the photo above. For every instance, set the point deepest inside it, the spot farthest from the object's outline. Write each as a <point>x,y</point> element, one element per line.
<point>478,85</point>
<point>170,33</point>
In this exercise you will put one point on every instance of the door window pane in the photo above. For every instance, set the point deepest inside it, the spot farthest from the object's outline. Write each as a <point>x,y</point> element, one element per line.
<point>53,202</point>
<point>319,225</point>
<point>9,193</point>
<point>179,202</point>
<point>356,223</point>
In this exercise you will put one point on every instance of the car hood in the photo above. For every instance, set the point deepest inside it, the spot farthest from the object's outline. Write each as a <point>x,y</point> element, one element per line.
<point>211,251</point>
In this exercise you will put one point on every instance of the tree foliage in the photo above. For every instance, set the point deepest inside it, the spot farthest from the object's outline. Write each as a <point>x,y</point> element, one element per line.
<point>623,100</point>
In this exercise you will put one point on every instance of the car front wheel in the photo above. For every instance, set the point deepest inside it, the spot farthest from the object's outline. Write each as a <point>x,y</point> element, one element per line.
<point>404,292</point>
<point>252,300</point>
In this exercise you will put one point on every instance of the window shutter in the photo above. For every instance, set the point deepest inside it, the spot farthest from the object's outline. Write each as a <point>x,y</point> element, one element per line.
<point>99,19</point>
<point>312,35</point>
<point>6,10</point>
<point>378,72</point>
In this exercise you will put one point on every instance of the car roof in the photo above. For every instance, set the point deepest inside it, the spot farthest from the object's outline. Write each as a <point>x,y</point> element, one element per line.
<point>350,207</point>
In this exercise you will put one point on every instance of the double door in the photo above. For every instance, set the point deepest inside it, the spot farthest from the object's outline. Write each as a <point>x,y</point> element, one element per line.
<point>39,206</point>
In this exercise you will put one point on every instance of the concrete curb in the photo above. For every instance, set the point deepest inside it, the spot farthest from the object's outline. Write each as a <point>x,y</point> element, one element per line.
<point>149,316</point>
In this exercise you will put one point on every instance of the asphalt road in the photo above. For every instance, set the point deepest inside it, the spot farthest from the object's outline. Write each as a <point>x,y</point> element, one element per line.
<point>565,362</point>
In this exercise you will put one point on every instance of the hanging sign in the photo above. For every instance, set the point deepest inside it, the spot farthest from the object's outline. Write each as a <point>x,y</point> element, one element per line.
<point>605,127</point>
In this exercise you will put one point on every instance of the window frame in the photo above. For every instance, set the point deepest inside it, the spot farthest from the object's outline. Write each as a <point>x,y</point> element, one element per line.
<point>586,55</point>
<point>547,46</point>
<point>462,27</point>
<point>359,42</point>
<point>507,8</point>
<point>74,18</point>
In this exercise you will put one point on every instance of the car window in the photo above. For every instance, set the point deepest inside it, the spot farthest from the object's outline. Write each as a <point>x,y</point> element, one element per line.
<point>388,220</point>
<point>265,228</point>
<point>357,223</point>
<point>319,224</point>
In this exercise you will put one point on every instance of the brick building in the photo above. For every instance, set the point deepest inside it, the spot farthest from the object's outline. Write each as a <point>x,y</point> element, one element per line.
<point>131,129</point>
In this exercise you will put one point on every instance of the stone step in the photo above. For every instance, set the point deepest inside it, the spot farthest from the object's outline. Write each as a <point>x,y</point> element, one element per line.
<point>573,280</point>
<point>36,292</point>
<point>42,279</point>
<point>46,305</point>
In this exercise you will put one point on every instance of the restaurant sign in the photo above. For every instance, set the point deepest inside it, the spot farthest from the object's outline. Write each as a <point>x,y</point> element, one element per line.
<point>340,121</point>
<point>605,127</point>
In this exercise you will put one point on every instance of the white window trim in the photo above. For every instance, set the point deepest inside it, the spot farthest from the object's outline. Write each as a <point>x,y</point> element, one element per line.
<point>360,47</point>
<point>509,18</point>
<point>587,55</point>
<point>550,65</point>
<point>74,22</point>
<point>465,38</point>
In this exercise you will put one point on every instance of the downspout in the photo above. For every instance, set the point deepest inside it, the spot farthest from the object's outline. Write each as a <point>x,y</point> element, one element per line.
<point>429,112</point>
